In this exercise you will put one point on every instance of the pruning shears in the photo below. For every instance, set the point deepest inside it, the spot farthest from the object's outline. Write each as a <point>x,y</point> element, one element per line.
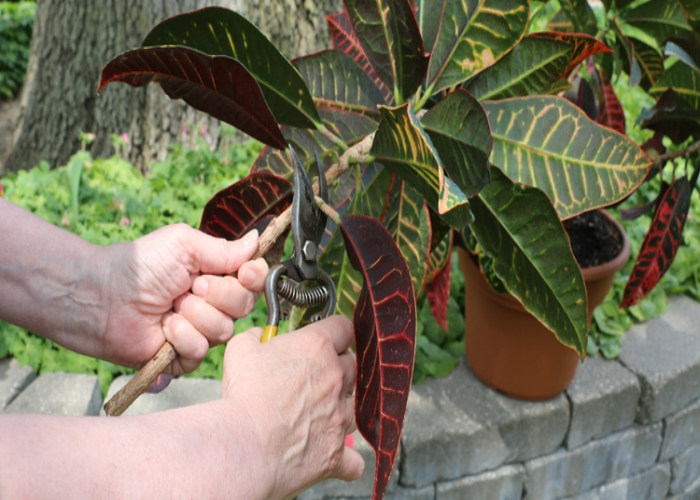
<point>308,224</point>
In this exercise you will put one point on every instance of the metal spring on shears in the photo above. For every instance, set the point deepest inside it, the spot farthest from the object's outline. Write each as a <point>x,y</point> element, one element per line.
<point>302,298</point>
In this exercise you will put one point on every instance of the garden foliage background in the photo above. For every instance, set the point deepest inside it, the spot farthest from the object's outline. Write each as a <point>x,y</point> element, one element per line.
<point>108,201</point>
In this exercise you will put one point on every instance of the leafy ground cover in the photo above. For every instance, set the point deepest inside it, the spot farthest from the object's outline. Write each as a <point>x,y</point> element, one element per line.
<point>16,23</point>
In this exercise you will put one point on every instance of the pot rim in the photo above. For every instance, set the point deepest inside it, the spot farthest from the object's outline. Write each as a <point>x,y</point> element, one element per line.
<point>612,266</point>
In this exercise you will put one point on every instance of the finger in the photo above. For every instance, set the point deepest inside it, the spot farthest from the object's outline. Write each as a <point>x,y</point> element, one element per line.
<point>256,333</point>
<point>339,329</point>
<point>210,255</point>
<point>350,466</point>
<point>252,274</point>
<point>215,325</point>
<point>350,414</point>
<point>225,293</point>
<point>348,365</point>
<point>190,345</point>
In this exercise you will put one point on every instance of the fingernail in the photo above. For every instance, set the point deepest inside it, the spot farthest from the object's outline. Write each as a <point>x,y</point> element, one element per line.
<point>251,236</point>
<point>247,277</point>
<point>200,287</point>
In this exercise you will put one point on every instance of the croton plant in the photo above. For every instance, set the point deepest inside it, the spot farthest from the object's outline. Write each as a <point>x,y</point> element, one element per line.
<point>431,117</point>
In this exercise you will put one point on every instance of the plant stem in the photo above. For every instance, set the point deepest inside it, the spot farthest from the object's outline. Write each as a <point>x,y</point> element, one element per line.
<point>662,159</point>
<point>424,99</point>
<point>332,137</point>
<point>326,209</point>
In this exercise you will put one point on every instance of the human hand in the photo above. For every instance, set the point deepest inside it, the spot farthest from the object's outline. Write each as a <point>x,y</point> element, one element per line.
<point>148,292</point>
<point>295,388</point>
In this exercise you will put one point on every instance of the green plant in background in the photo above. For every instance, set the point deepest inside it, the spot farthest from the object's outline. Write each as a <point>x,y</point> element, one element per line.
<point>107,201</point>
<point>16,24</point>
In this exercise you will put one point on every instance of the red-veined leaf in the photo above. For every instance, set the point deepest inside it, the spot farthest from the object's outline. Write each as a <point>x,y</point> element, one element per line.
<point>633,213</point>
<point>219,86</point>
<point>661,242</point>
<point>437,285</point>
<point>248,204</point>
<point>389,35</point>
<point>222,32</point>
<point>344,40</point>
<point>460,131</point>
<point>584,46</point>
<point>530,68</point>
<point>336,81</point>
<point>473,36</point>
<point>402,146</point>
<point>610,112</point>
<point>580,14</point>
<point>654,146</point>
<point>385,338</point>
<point>581,94</point>
<point>549,143</point>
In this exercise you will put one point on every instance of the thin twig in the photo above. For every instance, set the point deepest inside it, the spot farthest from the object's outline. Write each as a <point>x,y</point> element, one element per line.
<point>333,138</point>
<point>662,159</point>
<point>326,209</point>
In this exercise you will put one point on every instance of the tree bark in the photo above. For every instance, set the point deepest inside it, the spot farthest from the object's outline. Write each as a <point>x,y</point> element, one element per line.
<point>74,40</point>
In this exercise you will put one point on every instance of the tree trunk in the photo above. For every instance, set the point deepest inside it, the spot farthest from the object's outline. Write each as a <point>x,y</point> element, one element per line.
<point>74,40</point>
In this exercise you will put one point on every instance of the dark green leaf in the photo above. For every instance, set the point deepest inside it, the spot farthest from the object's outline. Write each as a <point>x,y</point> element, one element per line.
<point>560,22</point>
<point>661,19</point>
<point>401,145</point>
<point>530,68</point>
<point>460,131</point>
<point>428,17</point>
<point>584,46</point>
<point>217,31</point>
<point>518,227</point>
<point>549,143</point>
<point>335,80</point>
<point>389,35</point>
<point>683,80</point>
<point>692,13</point>
<point>580,14</point>
<point>651,64</point>
<point>473,36</point>
<point>675,50</point>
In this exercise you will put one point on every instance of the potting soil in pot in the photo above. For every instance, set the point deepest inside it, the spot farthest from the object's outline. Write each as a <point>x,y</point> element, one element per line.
<point>594,239</point>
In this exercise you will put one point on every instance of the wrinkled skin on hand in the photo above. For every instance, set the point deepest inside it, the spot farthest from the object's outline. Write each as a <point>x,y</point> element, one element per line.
<point>297,387</point>
<point>172,285</point>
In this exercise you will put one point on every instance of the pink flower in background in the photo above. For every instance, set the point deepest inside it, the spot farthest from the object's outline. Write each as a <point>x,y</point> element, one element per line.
<point>185,130</point>
<point>91,137</point>
<point>125,221</point>
<point>2,189</point>
<point>224,160</point>
<point>125,137</point>
<point>203,131</point>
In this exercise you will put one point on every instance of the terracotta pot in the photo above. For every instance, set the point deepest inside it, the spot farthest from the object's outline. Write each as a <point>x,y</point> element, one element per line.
<point>510,350</point>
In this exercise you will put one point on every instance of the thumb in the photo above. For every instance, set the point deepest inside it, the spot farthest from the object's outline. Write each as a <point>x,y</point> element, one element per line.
<point>351,465</point>
<point>210,255</point>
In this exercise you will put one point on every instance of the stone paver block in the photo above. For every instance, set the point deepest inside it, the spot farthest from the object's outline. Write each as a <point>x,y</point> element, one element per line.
<point>457,426</point>
<point>568,473</point>
<point>603,398</point>
<point>427,493</point>
<point>692,492</point>
<point>13,379</point>
<point>60,394</point>
<point>504,483</point>
<point>681,430</point>
<point>652,484</point>
<point>335,488</point>
<point>685,468</point>
<point>181,392</point>
<point>664,354</point>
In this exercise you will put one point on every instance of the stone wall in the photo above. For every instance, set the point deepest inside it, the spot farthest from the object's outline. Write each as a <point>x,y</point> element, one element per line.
<point>626,429</point>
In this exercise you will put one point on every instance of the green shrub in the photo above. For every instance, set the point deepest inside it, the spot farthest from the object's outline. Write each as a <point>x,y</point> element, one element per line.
<point>16,24</point>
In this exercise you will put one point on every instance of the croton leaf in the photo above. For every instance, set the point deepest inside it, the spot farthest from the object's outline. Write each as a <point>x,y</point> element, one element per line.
<point>530,68</point>
<point>473,36</point>
<point>344,39</point>
<point>407,220</point>
<point>683,80</point>
<point>671,116</point>
<point>437,285</point>
<point>549,143</point>
<point>438,229</point>
<point>222,32</point>
<point>660,19</point>
<point>610,112</point>
<point>350,127</point>
<point>517,226</point>
<point>581,94</point>
<point>250,203</point>
<point>336,81</point>
<point>460,131</point>
<point>402,146</point>
<point>584,46</point>
<point>661,241</point>
<point>561,23</point>
<point>428,17</point>
<point>692,13</point>
<point>651,64</point>
<point>580,14</point>
<point>625,53</point>
<point>685,52</point>
<point>219,86</point>
<point>389,35</point>
<point>385,338</point>
<point>633,213</point>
